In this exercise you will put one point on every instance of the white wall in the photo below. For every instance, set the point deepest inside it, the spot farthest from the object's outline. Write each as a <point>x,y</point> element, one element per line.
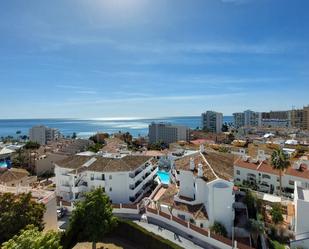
<point>186,186</point>
<point>221,199</point>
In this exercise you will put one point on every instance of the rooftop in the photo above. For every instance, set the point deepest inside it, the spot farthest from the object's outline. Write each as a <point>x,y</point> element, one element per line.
<point>183,163</point>
<point>13,174</point>
<point>259,166</point>
<point>103,164</point>
<point>198,211</point>
<point>221,163</point>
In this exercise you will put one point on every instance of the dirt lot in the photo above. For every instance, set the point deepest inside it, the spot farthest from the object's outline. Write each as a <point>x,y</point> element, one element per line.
<point>108,243</point>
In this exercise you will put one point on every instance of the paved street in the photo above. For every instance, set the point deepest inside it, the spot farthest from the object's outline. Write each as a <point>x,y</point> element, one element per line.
<point>168,235</point>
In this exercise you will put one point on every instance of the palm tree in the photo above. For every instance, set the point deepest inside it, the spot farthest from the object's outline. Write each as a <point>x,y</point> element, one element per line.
<point>279,162</point>
<point>255,227</point>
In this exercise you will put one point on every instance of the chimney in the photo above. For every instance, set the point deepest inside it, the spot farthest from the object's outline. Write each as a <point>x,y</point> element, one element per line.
<point>261,155</point>
<point>200,172</point>
<point>192,165</point>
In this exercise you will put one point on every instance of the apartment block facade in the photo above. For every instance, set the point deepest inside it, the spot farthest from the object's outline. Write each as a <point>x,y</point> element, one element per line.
<point>212,121</point>
<point>300,118</point>
<point>168,133</point>
<point>124,178</point>
<point>247,118</point>
<point>42,134</point>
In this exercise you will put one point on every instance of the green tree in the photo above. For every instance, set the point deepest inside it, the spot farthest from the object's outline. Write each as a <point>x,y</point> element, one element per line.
<point>279,162</point>
<point>225,127</point>
<point>32,238</point>
<point>91,219</point>
<point>276,214</point>
<point>95,148</point>
<point>255,227</point>
<point>18,211</point>
<point>218,228</point>
<point>31,146</point>
<point>74,135</point>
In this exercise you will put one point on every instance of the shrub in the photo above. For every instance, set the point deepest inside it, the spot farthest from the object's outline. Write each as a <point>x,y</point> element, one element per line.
<point>276,214</point>
<point>218,228</point>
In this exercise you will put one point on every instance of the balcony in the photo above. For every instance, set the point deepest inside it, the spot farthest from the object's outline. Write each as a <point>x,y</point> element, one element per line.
<point>65,188</point>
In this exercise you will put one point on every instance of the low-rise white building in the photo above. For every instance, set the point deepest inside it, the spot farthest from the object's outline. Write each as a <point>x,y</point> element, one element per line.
<point>259,172</point>
<point>199,184</point>
<point>124,178</point>
<point>301,202</point>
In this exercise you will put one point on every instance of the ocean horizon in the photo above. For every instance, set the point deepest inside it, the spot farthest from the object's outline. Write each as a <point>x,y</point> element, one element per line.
<point>87,127</point>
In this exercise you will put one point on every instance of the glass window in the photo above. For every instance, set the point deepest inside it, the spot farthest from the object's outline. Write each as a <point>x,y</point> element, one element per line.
<point>238,172</point>
<point>110,177</point>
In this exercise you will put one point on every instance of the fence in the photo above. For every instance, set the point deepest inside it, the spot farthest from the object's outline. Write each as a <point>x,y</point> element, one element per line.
<point>200,233</point>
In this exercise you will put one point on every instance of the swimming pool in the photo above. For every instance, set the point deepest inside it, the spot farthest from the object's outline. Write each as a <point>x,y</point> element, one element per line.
<point>164,177</point>
<point>3,164</point>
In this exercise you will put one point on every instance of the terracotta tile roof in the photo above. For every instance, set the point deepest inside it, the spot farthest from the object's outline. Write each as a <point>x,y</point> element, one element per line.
<point>13,174</point>
<point>183,163</point>
<point>127,163</point>
<point>198,211</point>
<point>302,172</point>
<point>104,164</point>
<point>73,162</point>
<point>221,163</point>
<point>260,167</point>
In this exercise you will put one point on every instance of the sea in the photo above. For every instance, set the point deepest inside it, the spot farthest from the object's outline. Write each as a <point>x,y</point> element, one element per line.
<point>87,127</point>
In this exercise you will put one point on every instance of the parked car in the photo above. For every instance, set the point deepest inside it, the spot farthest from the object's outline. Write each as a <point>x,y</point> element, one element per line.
<point>61,212</point>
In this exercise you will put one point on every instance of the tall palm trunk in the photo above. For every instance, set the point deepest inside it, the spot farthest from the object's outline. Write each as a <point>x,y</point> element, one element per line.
<point>280,182</point>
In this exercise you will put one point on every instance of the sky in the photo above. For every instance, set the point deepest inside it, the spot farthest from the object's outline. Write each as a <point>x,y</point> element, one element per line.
<point>146,58</point>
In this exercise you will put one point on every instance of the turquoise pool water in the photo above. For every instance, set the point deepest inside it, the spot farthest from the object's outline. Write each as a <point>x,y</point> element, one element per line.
<point>164,177</point>
<point>3,164</point>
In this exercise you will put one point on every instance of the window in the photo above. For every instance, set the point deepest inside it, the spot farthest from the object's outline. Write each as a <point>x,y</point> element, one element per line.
<point>291,182</point>
<point>110,177</point>
<point>277,179</point>
<point>238,172</point>
<point>92,177</point>
<point>110,189</point>
<point>103,177</point>
<point>201,225</point>
<point>266,176</point>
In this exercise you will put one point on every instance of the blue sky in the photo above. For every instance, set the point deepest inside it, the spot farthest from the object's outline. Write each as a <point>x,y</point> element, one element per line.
<point>142,58</point>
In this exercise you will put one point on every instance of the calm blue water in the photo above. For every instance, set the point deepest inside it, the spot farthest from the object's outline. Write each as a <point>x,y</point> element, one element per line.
<point>3,164</point>
<point>85,128</point>
<point>164,177</point>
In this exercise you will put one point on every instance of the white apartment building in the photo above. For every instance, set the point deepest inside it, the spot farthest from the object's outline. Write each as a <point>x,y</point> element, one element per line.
<point>42,134</point>
<point>124,178</point>
<point>200,185</point>
<point>259,172</point>
<point>247,118</point>
<point>301,202</point>
<point>212,121</point>
<point>167,133</point>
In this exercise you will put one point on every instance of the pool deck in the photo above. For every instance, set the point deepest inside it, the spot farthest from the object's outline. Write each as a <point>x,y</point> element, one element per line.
<point>160,192</point>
